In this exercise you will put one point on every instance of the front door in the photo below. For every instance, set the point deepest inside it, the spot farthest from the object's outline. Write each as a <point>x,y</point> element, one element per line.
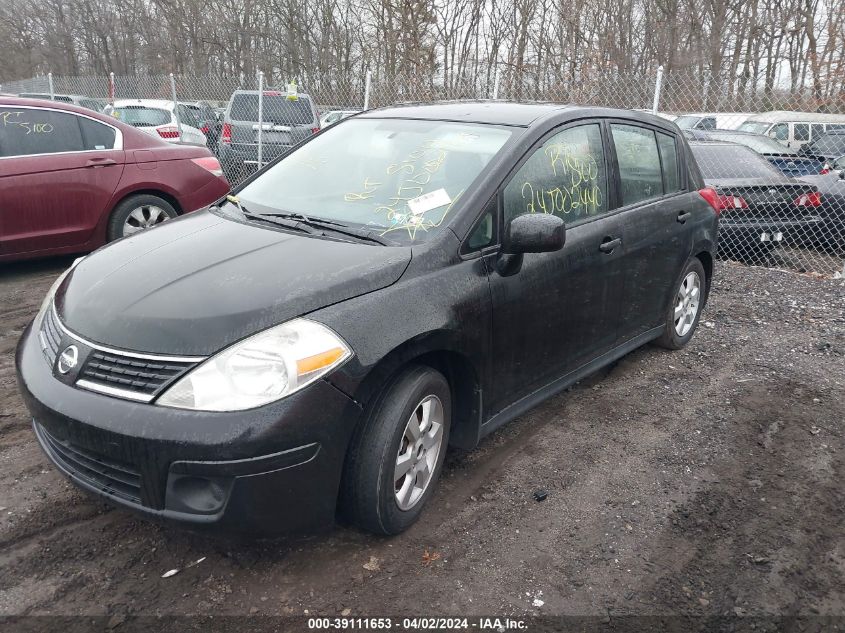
<point>558,310</point>
<point>58,172</point>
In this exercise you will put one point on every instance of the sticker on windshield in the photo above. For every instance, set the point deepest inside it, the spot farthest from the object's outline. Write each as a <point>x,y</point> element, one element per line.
<point>429,201</point>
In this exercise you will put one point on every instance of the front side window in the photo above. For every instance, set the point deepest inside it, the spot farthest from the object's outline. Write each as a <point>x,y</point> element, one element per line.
<point>640,175</point>
<point>400,178</point>
<point>707,123</point>
<point>566,177</point>
<point>29,131</point>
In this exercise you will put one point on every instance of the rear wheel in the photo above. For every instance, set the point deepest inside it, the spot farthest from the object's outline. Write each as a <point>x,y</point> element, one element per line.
<point>395,459</point>
<point>684,310</point>
<point>137,213</point>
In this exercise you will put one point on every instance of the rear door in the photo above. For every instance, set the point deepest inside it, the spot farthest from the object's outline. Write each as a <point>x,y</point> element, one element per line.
<point>656,216</point>
<point>58,172</point>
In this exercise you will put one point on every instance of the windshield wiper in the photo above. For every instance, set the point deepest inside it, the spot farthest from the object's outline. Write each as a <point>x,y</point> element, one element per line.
<point>331,225</point>
<point>282,221</point>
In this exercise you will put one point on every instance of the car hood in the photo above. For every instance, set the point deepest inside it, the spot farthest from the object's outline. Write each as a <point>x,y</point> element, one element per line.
<point>199,283</point>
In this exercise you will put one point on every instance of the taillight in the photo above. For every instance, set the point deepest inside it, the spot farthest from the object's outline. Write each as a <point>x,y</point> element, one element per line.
<point>204,129</point>
<point>168,132</point>
<point>226,134</point>
<point>209,163</point>
<point>314,130</point>
<point>721,202</point>
<point>812,199</point>
<point>825,170</point>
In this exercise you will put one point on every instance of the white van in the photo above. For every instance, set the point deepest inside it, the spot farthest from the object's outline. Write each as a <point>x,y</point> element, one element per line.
<point>712,120</point>
<point>793,129</point>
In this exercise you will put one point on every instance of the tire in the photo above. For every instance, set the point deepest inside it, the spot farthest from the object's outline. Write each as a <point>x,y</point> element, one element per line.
<point>141,211</point>
<point>678,331</point>
<point>369,495</point>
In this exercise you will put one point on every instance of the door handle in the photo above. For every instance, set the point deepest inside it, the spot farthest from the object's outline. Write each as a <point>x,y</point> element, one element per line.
<point>683,216</point>
<point>608,244</point>
<point>100,162</point>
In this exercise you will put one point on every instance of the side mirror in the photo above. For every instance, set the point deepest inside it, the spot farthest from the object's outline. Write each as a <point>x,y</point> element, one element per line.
<point>534,233</point>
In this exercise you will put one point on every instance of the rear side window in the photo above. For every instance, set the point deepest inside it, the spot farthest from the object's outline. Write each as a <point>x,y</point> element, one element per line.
<point>142,116</point>
<point>277,108</point>
<point>669,162</point>
<point>96,135</point>
<point>640,175</point>
<point>801,131</point>
<point>28,131</point>
<point>732,161</point>
<point>707,123</point>
<point>566,177</point>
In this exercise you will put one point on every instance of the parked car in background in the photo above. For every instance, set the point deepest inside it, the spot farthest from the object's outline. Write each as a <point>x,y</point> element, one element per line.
<point>831,235</point>
<point>157,118</point>
<point>316,342</point>
<point>209,122</point>
<point>711,121</point>
<point>285,122</point>
<point>793,129</point>
<point>79,100</point>
<point>828,147</point>
<point>72,179</point>
<point>760,207</point>
<point>787,161</point>
<point>334,116</point>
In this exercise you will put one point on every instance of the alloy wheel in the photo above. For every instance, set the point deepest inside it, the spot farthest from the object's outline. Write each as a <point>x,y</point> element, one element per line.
<point>418,452</point>
<point>686,303</point>
<point>144,217</point>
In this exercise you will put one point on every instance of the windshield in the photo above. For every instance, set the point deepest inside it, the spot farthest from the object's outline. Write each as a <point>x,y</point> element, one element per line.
<point>758,127</point>
<point>398,177</point>
<point>141,116</point>
<point>277,108</point>
<point>731,162</point>
<point>761,144</point>
<point>829,145</point>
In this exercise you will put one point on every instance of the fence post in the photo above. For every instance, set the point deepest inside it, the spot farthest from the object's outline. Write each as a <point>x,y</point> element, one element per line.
<point>260,119</point>
<point>175,105</point>
<point>496,80</point>
<point>50,81</point>
<point>367,81</point>
<point>658,84</point>
<point>111,88</point>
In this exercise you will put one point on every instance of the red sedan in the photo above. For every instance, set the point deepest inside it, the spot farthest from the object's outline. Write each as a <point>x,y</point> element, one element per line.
<point>72,179</point>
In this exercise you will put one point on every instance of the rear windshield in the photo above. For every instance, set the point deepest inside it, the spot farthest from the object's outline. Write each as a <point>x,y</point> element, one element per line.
<point>142,116</point>
<point>277,109</point>
<point>731,161</point>
<point>829,144</point>
<point>758,127</point>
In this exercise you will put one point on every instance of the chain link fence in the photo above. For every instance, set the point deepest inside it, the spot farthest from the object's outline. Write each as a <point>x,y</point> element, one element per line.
<point>773,158</point>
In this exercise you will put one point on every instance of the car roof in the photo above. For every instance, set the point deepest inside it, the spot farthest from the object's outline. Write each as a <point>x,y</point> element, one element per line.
<point>47,103</point>
<point>787,116</point>
<point>239,91</point>
<point>152,103</point>
<point>492,112</point>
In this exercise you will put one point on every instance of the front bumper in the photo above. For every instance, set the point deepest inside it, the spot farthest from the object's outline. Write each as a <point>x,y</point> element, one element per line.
<point>269,470</point>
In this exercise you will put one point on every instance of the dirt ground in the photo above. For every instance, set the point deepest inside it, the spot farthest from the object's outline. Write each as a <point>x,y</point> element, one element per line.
<point>702,482</point>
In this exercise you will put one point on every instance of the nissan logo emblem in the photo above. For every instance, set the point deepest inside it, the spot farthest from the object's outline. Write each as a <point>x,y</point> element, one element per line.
<point>68,359</point>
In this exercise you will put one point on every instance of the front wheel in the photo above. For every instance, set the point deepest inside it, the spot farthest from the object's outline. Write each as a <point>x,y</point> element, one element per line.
<point>685,309</point>
<point>395,459</point>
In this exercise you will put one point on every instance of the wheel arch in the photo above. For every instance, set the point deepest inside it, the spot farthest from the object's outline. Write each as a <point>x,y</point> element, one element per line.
<point>456,366</point>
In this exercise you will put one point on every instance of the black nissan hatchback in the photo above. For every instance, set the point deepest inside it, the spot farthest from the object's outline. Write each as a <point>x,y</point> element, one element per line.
<point>409,279</point>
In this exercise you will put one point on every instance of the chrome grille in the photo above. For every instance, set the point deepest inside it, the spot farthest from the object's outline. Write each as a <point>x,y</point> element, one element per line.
<point>142,376</point>
<point>50,336</point>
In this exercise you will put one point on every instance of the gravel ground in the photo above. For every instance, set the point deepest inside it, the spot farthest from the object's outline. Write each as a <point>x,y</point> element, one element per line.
<point>702,482</point>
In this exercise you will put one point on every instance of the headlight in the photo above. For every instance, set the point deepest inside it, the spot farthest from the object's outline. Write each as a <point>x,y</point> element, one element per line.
<point>260,369</point>
<point>52,291</point>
